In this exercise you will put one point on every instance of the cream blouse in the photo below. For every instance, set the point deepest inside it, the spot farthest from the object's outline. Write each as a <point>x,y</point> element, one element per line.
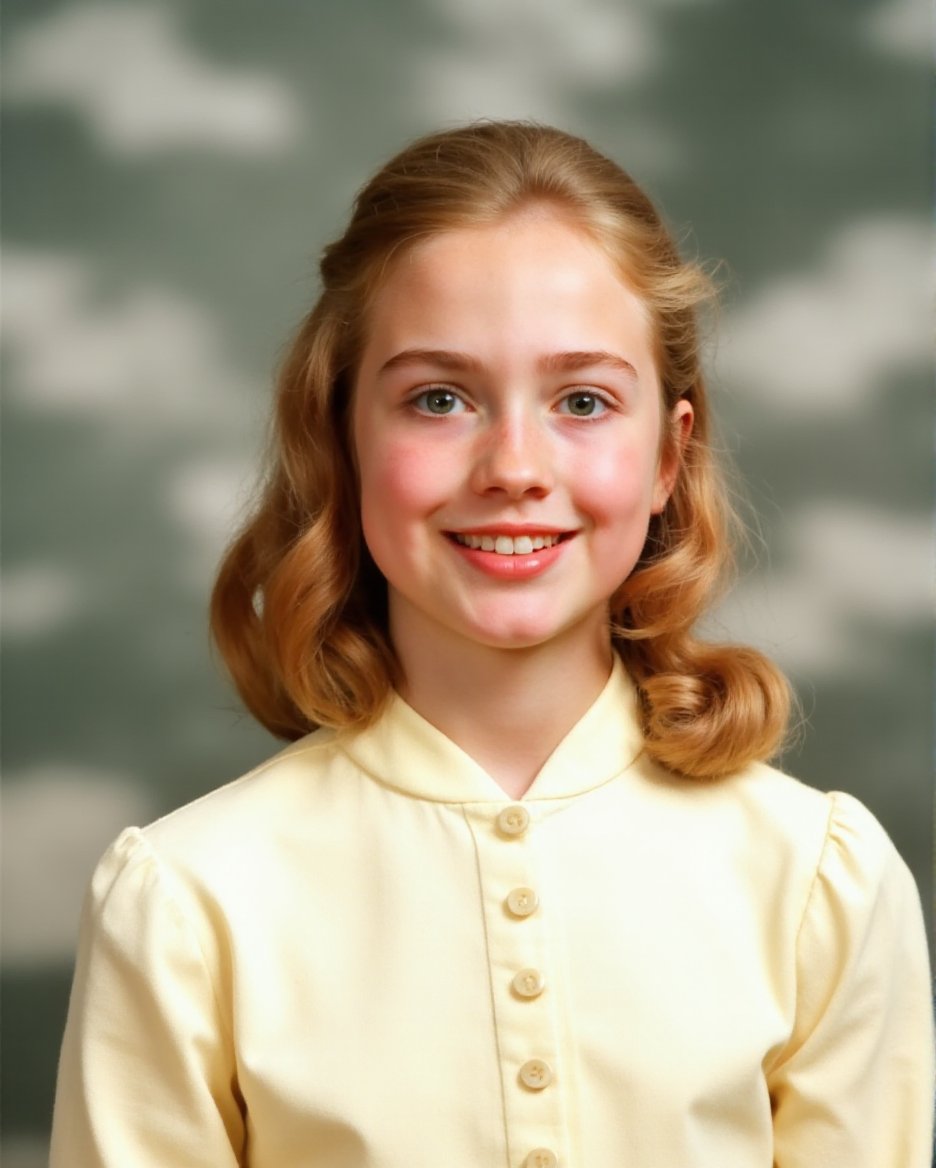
<point>361,955</point>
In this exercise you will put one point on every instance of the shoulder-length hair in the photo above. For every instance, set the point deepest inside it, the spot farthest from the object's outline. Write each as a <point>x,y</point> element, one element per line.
<point>299,610</point>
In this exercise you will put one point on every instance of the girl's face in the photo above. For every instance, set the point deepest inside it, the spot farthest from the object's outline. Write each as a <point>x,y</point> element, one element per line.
<point>507,427</point>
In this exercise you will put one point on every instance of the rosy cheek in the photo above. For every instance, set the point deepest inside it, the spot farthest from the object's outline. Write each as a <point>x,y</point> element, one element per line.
<point>403,474</point>
<point>612,480</point>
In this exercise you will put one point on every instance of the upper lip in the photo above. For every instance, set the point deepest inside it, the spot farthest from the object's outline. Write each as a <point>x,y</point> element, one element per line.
<point>512,529</point>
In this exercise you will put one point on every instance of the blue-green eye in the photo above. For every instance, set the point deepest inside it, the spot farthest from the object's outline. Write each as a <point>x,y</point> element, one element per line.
<point>582,404</point>
<point>438,402</point>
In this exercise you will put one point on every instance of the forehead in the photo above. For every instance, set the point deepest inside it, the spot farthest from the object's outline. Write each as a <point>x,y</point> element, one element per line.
<point>529,282</point>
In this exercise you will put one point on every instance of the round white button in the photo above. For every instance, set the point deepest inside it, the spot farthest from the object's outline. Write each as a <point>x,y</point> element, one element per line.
<point>529,983</point>
<point>522,901</point>
<point>541,1158</point>
<point>536,1074</point>
<point>513,820</point>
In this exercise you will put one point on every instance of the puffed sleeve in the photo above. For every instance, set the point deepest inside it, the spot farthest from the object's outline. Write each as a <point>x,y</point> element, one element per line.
<point>854,1086</point>
<point>146,1074</point>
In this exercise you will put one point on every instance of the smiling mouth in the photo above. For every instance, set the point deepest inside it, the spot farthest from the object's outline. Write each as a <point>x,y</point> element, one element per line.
<point>509,545</point>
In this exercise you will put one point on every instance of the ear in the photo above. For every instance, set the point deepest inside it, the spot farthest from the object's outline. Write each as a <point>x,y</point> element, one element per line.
<point>679,425</point>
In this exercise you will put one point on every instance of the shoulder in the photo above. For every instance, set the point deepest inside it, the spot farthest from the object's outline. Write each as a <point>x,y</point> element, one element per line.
<point>759,802</point>
<point>232,844</point>
<point>220,831</point>
<point>838,846</point>
<point>816,822</point>
<point>281,784</point>
<point>782,831</point>
<point>790,810</point>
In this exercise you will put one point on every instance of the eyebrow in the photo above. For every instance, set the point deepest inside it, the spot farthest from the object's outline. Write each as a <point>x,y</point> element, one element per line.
<point>586,359</point>
<point>440,358</point>
<point>570,362</point>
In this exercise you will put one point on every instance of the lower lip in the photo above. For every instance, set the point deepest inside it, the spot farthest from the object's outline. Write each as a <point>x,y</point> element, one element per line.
<point>522,567</point>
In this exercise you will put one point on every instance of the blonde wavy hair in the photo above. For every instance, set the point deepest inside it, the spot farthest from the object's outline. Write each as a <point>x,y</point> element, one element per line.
<point>299,610</point>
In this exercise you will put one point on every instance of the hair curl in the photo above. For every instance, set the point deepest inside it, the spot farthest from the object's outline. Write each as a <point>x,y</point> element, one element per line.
<point>298,610</point>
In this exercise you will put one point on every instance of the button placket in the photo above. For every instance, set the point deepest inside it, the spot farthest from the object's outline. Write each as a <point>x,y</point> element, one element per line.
<point>534,1074</point>
<point>524,1015</point>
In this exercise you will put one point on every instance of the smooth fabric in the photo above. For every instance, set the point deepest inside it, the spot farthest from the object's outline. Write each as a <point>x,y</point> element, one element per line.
<point>314,967</point>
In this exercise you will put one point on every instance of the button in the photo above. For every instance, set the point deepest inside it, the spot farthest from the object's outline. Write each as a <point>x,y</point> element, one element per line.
<point>529,983</point>
<point>522,901</point>
<point>541,1158</point>
<point>536,1074</point>
<point>514,820</point>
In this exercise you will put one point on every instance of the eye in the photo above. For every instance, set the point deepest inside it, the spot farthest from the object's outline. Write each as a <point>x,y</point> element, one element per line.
<point>438,401</point>
<point>582,404</point>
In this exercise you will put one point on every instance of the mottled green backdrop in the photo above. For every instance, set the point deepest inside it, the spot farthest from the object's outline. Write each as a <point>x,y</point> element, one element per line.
<point>170,172</point>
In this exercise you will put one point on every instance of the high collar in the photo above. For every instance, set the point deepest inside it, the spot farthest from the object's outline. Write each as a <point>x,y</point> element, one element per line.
<point>403,750</point>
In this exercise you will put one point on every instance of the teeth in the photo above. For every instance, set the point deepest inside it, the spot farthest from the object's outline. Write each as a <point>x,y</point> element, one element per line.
<point>506,545</point>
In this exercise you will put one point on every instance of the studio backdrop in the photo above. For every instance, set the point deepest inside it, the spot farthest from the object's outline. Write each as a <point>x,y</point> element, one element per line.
<point>171,170</point>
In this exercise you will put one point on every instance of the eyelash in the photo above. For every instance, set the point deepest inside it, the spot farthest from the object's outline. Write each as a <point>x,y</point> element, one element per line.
<point>418,402</point>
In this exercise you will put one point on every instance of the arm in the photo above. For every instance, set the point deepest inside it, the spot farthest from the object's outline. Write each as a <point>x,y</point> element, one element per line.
<point>146,1075</point>
<point>854,1086</point>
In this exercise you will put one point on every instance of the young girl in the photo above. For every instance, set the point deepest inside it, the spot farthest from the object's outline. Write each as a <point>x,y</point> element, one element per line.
<point>522,891</point>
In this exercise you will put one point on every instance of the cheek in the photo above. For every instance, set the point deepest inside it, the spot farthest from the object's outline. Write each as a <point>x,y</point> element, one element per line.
<point>616,484</point>
<point>400,479</point>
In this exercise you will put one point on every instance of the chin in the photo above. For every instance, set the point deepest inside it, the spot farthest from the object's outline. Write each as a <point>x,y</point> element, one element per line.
<point>517,635</point>
<point>515,643</point>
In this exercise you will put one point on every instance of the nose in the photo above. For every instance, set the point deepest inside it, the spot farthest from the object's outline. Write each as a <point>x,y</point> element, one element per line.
<point>514,458</point>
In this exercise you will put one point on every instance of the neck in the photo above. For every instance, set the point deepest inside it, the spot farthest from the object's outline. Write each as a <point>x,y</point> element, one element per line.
<point>506,708</point>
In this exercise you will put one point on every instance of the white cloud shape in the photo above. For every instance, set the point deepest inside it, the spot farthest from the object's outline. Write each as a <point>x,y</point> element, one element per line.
<point>148,369</point>
<point>519,59</point>
<point>148,360</point>
<point>207,498</point>
<point>831,337</point>
<point>124,67</point>
<point>57,821</point>
<point>37,599</point>
<point>901,27</point>
<point>851,571</point>
<point>593,39</point>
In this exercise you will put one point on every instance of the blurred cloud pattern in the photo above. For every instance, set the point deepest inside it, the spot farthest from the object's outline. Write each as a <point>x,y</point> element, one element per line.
<point>833,336</point>
<point>170,172</point>
<point>127,72</point>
